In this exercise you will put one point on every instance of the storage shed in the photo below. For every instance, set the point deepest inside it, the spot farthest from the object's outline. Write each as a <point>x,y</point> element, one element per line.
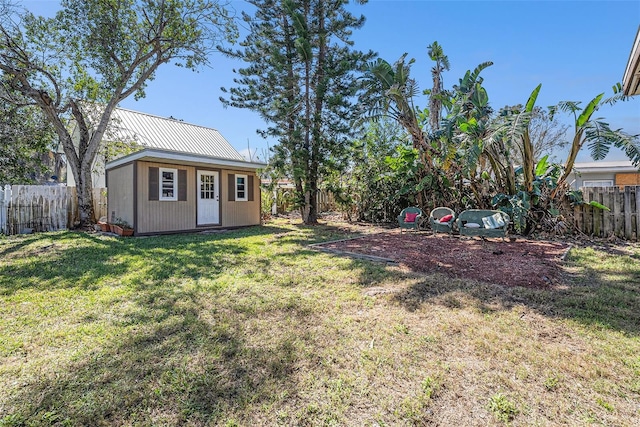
<point>184,178</point>
<point>159,191</point>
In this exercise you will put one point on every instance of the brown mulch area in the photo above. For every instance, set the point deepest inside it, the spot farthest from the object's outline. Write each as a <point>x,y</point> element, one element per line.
<point>531,263</point>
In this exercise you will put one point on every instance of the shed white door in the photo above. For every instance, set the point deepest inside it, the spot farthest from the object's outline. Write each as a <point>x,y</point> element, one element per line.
<point>208,198</point>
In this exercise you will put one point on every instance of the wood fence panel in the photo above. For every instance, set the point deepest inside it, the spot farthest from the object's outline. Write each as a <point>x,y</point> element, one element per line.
<point>25,208</point>
<point>33,208</point>
<point>598,215</point>
<point>618,212</point>
<point>325,201</point>
<point>73,213</point>
<point>100,202</point>
<point>592,223</point>
<point>621,220</point>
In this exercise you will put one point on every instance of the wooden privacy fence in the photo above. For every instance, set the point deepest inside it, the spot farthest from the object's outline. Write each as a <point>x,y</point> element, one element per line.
<point>282,200</point>
<point>49,208</point>
<point>27,208</point>
<point>623,218</point>
<point>326,201</point>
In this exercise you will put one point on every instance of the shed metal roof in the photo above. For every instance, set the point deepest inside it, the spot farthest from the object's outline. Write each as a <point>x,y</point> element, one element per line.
<point>164,156</point>
<point>170,134</point>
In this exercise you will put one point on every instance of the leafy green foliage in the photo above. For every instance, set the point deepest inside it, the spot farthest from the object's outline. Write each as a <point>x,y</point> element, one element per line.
<point>595,133</point>
<point>528,207</point>
<point>77,66</point>
<point>575,197</point>
<point>377,185</point>
<point>502,407</point>
<point>24,137</point>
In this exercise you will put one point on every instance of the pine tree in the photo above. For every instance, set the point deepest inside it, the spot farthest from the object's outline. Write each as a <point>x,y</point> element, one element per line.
<point>302,79</point>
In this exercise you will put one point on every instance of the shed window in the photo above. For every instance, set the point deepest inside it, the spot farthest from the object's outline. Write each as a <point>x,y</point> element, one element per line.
<point>241,188</point>
<point>598,183</point>
<point>168,184</point>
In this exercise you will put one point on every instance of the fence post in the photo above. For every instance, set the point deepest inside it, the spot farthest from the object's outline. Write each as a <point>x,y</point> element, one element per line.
<point>637,191</point>
<point>5,200</point>
<point>628,230</point>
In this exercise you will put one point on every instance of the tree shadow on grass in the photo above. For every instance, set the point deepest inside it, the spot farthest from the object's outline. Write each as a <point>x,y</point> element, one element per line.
<point>609,299</point>
<point>179,362</point>
<point>588,296</point>
<point>14,244</point>
<point>309,234</point>
<point>180,354</point>
<point>190,356</point>
<point>68,261</point>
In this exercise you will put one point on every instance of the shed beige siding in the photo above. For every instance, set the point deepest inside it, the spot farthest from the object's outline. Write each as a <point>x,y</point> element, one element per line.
<point>237,214</point>
<point>120,193</point>
<point>159,216</point>
<point>167,216</point>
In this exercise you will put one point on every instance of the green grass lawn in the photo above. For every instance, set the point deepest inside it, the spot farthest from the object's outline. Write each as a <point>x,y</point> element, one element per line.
<point>251,327</point>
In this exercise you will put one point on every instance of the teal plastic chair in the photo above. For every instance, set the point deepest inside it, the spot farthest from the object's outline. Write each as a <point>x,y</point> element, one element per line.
<point>410,225</point>
<point>444,227</point>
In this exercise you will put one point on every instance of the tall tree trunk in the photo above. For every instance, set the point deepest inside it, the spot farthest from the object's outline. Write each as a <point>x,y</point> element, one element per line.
<point>312,193</point>
<point>84,187</point>
<point>308,200</point>
<point>318,86</point>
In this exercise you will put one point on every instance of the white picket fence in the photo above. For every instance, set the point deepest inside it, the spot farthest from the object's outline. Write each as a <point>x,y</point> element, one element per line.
<point>32,208</point>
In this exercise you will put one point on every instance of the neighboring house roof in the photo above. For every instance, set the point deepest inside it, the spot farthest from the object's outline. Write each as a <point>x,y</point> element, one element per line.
<point>157,155</point>
<point>608,166</point>
<point>631,78</point>
<point>280,183</point>
<point>171,134</point>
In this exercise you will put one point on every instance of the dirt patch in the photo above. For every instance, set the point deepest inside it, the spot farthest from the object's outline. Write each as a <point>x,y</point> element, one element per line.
<point>522,262</point>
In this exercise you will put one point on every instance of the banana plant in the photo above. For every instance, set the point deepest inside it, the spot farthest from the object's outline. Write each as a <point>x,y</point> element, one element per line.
<point>390,92</point>
<point>528,206</point>
<point>596,133</point>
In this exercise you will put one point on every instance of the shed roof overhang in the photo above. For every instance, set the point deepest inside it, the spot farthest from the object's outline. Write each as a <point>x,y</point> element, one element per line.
<point>631,78</point>
<point>167,156</point>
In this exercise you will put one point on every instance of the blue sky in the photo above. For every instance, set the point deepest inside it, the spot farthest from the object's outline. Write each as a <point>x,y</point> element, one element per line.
<point>576,49</point>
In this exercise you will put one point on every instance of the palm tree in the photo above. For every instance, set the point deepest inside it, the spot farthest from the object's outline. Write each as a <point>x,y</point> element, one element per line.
<point>464,133</point>
<point>436,93</point>
<point>389,93</point>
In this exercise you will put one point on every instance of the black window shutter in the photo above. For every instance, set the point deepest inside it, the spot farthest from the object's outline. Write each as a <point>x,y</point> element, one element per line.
<point>250,188</point>
<point>182,185</point>
<point>154,189</point>
<point>232,187</point>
